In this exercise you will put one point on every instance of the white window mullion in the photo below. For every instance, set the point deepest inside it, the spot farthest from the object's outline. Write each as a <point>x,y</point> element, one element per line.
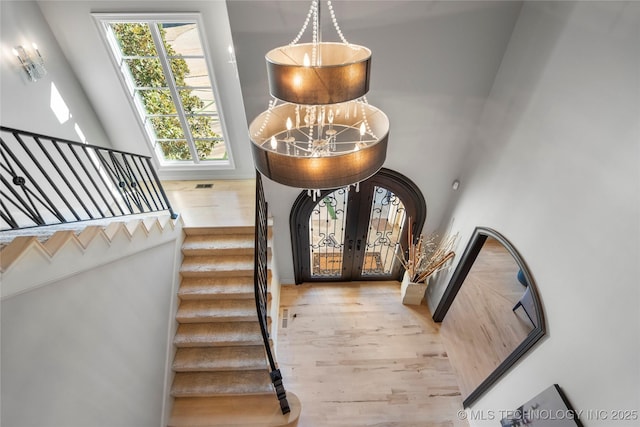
<point>171,83</point>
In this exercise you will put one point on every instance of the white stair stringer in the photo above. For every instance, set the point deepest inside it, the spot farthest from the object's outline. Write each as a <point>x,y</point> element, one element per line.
<point>27,263</point>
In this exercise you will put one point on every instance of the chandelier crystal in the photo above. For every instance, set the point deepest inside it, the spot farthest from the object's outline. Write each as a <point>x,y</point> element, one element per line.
<point>319,131</point>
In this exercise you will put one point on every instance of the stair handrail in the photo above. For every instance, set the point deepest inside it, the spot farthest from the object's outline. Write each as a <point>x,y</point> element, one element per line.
<point>47,180</point>
<point>261,283</point>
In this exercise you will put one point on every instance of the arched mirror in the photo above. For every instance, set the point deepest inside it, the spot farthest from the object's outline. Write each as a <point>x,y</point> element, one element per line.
<point>490,312</point>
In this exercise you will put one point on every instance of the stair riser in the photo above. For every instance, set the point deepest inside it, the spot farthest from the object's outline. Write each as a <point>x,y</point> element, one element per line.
<point>220,288</point>
<point>220,295</point>
<point>213,319</point>
<point>217,252</point>
<point>226,393</point>
<point>228,369</point>
<point>188,344</point>
<point>212,231</point>
<point>219,271</point>
<point>249,295</point>
<point>215,272</point>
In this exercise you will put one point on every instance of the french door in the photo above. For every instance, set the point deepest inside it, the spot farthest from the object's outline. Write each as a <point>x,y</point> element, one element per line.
<point>347,234</point>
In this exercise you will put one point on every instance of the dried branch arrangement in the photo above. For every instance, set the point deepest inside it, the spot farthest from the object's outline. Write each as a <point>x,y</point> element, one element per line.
<point>426,256</point>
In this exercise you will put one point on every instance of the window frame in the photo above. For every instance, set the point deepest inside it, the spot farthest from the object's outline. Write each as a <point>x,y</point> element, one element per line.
<point>103,20</point>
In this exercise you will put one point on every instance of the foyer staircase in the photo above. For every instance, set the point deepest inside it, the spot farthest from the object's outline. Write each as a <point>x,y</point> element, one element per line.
<point>221,371</point>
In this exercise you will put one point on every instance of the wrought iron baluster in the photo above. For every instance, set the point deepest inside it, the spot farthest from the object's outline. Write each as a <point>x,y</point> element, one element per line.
<point>99,159</point>
<point>26,207</point>
<point>115,178</point>
<point>86,172</point>
<point>6,215</point>
<point>128,188</point>
<point>135,161</point>
<point>260,280</point>
<point>52,184</point>
<point>160,188</point>
<point>137,192</point>
<point>62,176</point>
<point>49,204</point>
<point>57,146</point>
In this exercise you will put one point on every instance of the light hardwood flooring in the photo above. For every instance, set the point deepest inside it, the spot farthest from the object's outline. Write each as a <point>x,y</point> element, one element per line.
<point>225,203</point>
<point>480,329</point>
<point>356,356</point>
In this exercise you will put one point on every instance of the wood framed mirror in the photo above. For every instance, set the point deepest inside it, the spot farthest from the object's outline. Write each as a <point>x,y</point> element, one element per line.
<point>491,313</point>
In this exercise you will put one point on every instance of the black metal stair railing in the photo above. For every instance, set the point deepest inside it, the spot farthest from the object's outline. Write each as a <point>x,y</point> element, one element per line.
<point>46,180</point>
<point>261,283</point>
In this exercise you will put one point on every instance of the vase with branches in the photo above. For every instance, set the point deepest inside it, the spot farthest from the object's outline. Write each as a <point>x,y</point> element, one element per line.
<point>426,255</point>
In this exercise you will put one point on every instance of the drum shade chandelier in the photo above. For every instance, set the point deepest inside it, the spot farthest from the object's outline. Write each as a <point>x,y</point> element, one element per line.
<point>319,131</point>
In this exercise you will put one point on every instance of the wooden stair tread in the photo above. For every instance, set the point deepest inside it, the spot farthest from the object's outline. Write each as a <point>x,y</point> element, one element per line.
<point>220,358</point>
<point>220,334</point>
<point>217,287</point>
<point>245,411</point>
<point>204,384</point>
<point>192,231</point>
<point>231,244</point>
<point>198,311</point>
<point>221,265</point>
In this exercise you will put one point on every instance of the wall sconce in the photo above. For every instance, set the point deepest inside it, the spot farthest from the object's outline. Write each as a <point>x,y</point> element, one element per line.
<point>33,67</point>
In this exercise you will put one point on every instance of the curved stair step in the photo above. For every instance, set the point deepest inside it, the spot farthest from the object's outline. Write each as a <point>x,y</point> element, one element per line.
<point>205,384</point>
<point>195,359</point>
<point>235,287</point>
<point>245,411</point>
<point>232,310</point>
<point>218,334</point>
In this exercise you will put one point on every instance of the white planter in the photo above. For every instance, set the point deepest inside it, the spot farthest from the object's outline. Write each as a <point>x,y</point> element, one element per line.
<point>412,293</point>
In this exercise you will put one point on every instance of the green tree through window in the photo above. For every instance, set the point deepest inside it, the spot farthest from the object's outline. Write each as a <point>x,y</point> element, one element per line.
<point>140,53</point>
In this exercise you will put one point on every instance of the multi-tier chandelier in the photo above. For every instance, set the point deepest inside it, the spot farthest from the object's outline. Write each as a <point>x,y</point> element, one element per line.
<point>319,131</point>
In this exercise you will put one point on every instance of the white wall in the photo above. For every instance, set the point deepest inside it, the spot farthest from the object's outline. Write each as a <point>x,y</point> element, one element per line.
<point>26,105</point>
<point>91,349</point>
<point>554,167</point>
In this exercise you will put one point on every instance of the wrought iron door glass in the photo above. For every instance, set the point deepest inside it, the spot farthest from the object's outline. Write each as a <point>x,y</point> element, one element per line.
<point>386,222</point>
<point>326,235</point>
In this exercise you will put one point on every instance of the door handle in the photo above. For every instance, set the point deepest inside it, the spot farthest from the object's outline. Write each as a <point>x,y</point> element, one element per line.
<point>350,247</point>
<point>358,245</point>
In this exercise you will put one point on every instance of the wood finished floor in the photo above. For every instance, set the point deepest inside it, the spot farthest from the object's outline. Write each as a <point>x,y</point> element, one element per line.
<point>356,356</point>
<point>480,329</point>
<point>225,203</point>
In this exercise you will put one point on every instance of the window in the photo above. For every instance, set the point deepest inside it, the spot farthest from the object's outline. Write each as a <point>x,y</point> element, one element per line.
<point>164,68</point>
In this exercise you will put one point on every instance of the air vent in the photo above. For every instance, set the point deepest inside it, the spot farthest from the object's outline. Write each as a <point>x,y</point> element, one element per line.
<point>285,318</point>
<point>198,186</point>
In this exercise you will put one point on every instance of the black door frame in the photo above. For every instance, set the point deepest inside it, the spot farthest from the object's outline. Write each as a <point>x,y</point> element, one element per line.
<point>399,184</point>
